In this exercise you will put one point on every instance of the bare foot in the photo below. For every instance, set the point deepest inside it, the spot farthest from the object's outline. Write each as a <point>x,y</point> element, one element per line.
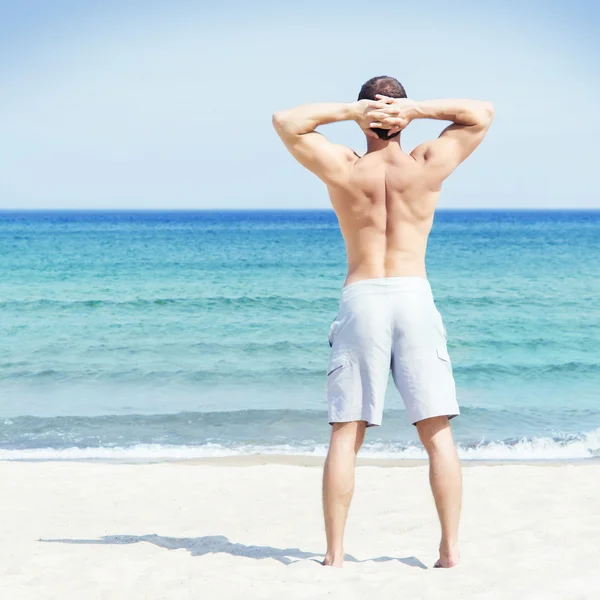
<point>332,560</point>
<point>447,560</point>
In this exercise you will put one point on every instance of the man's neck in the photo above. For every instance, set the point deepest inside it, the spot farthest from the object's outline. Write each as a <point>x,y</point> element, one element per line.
<point>374,145</point>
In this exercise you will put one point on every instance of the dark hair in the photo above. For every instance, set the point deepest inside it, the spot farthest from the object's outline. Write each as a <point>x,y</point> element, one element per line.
<point>386,86</point>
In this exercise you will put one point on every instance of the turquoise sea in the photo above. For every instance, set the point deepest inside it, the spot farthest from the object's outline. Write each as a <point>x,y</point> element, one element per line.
<point>158,335</point>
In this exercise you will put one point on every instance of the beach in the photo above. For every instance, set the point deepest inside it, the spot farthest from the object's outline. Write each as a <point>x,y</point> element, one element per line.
<point>217,529</point>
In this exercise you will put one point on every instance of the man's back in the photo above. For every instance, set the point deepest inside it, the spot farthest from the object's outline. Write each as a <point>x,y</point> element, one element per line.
<point>385,209</point>
<point>385,200</point>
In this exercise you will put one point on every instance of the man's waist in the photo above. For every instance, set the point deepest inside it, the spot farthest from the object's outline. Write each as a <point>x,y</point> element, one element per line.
<point>397,270</point>
<point>387,286</point>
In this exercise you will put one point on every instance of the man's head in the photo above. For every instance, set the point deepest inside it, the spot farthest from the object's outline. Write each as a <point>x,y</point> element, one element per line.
<point>386,86</point>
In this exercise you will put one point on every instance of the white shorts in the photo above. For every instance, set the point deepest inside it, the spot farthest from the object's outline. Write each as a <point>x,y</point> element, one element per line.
<point>382,324</point>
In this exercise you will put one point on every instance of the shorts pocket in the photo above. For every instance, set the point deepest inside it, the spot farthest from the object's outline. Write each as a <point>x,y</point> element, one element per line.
<point>332,330</point>
<point>340,391</point>
<point>442,353</point>
<point>337,363</point>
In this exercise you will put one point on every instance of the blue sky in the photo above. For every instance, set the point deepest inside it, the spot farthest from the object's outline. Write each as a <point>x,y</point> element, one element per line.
<point>143,105</point>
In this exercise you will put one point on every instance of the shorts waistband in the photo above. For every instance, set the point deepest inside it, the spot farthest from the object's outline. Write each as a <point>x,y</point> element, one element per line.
<point>385,285</point>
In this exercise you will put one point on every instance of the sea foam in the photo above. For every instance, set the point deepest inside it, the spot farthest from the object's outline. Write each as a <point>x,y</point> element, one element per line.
<point>584,447</point>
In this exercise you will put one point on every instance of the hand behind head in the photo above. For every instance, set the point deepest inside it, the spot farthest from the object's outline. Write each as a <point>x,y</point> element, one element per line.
<point>393,114</point>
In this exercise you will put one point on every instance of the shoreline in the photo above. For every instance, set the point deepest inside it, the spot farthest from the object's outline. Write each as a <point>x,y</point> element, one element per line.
<point>298,460</point>
<point>318,461</point>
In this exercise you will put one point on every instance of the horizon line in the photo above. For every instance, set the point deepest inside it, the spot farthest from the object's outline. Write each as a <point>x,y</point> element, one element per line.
<point>150,210</point>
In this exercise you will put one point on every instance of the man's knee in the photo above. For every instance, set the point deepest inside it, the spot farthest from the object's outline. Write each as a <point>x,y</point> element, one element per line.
<point>435,433</point>
<point>348,436</point>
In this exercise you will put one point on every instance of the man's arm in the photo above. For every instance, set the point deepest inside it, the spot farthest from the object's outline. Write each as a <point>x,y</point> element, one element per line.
<point>471,120</point>
<point>296,127</point>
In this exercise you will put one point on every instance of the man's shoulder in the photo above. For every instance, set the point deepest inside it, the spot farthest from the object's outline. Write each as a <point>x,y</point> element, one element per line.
<point>346,152</point>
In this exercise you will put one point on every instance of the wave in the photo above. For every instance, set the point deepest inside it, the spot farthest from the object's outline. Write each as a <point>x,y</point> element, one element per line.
<point>482,434</point>
<point>277,373</point>
<point>584,447</point>
<point>271,302</point>
<point>209,302</point>
<point>272,369</point>
<point>527,370</point>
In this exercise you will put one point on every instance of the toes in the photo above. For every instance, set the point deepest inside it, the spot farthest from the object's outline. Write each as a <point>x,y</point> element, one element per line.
<point>445,564</point>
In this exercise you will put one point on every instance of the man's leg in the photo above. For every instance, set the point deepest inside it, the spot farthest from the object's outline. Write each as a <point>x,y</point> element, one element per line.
<point>338,485</point>
<point>446,483</point>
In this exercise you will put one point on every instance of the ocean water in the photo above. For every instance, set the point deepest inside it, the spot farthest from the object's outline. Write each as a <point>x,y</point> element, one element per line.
<point>158,335</point>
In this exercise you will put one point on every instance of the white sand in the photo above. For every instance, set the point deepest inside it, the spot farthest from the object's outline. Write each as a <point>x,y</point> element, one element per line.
<point>170,531</point>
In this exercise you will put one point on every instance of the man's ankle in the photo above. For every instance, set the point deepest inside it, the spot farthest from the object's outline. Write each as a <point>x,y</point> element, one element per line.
<point>448,548</point>
<point>334,558</point>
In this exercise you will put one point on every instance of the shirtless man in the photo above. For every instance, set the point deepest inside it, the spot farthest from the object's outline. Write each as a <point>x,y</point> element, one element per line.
<point>387,319</point>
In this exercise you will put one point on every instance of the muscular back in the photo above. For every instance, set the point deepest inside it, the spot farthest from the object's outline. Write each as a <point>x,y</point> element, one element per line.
<point>384,200</point>
<point>385,210</point>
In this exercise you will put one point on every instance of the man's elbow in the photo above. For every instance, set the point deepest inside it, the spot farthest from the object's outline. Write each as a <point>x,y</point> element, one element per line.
<point>280,122</point>
<point>283,125</point>
<point>485,114</point>
<point>277,120</point>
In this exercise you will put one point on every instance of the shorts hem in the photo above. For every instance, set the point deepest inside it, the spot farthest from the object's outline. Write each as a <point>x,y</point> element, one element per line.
<point>369,422</point>
<point>445,413</point>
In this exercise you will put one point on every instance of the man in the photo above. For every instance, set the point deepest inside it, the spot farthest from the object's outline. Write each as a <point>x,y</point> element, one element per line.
<point>384,202</point>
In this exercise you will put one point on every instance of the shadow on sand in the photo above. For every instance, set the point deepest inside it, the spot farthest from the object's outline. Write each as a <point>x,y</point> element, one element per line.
<point>213,544</point>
